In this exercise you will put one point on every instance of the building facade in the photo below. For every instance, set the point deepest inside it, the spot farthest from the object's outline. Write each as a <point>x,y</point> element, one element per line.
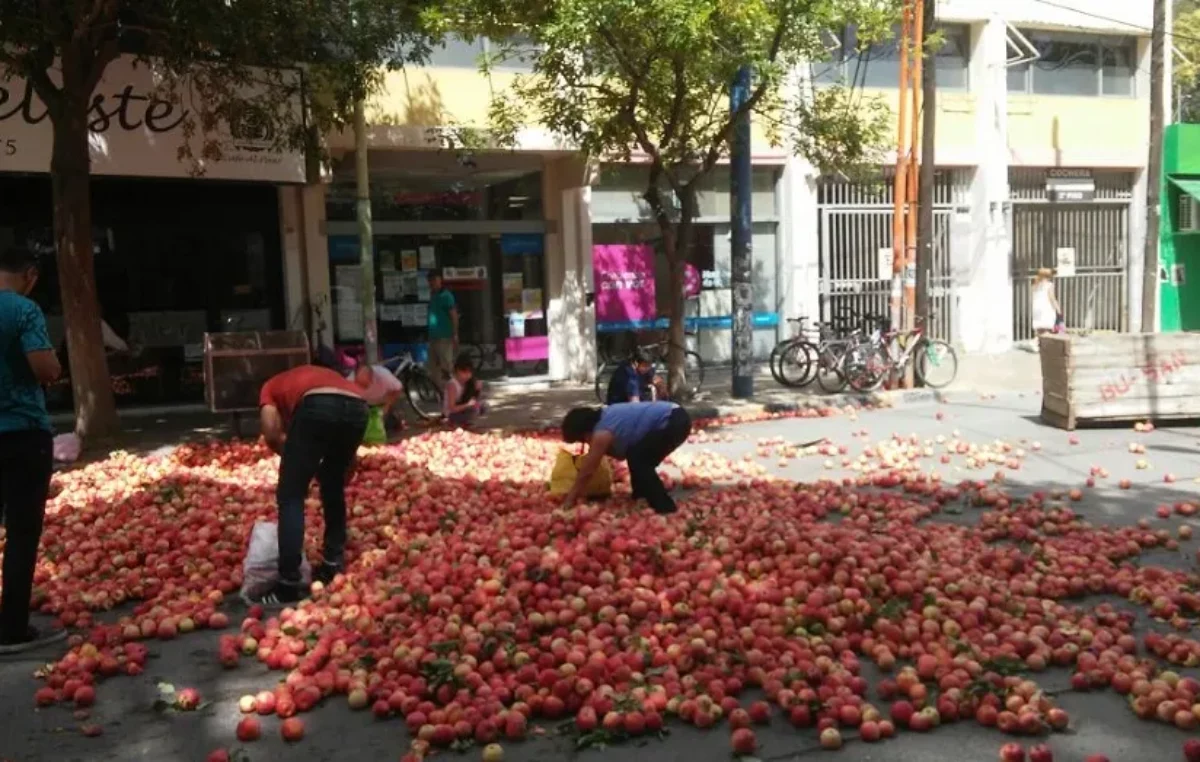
<point>1042,122</point>
<point>1042,134</point>
<point>181,246</point>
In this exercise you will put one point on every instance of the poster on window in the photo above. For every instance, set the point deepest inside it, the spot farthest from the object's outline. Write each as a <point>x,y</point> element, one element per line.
<point>393,289</point>
<point>624,278</point>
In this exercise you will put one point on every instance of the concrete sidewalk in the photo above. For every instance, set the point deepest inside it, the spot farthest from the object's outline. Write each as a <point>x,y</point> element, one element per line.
<point>532,406</point>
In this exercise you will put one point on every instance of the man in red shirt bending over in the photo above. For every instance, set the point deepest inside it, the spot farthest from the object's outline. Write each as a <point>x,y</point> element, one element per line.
<point>315,419</point>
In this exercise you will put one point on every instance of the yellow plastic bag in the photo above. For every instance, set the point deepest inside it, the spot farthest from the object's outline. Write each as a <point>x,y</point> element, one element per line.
<point>566,468</point>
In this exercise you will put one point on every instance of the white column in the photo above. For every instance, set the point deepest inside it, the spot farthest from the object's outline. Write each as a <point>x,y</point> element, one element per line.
<point>800,244</point>
<point>315,248</point>
<point>569,269</point>
<point>983,255</point>
<point>294,272</point>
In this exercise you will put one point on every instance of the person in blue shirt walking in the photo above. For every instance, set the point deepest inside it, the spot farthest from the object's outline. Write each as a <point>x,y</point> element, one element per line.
<point>633,381</point>
<point>641,433</point>
<point>27,362</point>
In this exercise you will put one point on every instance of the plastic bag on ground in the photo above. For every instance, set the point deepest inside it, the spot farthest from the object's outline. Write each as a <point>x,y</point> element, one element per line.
<point>67,448</point>
<point>376,433</point>
<point>260,570</point>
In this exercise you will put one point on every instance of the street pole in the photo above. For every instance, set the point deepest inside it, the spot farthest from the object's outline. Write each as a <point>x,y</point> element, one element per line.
<point>916,66</point>
<point>1150,280</point>
<point>741,256</point>
<point>366,255</point>
<point>900,181</point>
<point>925,198</point>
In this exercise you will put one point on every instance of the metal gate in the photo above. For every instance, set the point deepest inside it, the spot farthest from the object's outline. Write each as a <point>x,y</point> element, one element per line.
<point>1095,298</point>
<point>856,224</point>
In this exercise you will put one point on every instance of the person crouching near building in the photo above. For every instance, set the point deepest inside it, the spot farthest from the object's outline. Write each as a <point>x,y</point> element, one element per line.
<point>462,402</point>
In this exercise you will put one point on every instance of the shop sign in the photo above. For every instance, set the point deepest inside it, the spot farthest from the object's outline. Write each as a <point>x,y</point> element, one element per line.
<point>464,273</point>
<point>1064,262</point>
<point>1070,184</point>
<point>624,278</point>
<point>137,130</point>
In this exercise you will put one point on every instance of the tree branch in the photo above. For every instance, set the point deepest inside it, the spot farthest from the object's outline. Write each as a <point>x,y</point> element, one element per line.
<point>678,67</point>
<point>34,66</point>
<point>714,151</point>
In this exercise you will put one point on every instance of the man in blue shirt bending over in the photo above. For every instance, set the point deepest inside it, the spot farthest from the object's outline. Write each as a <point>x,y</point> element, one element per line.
<point>27,362</point>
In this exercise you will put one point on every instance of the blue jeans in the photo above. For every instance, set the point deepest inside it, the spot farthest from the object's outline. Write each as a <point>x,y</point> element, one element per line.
<point>322,440</point>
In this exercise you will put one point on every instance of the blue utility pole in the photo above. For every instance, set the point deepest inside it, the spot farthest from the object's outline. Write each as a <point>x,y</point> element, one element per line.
<point>741,256</point>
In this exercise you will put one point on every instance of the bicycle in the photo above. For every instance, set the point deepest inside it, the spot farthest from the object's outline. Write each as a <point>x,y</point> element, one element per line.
<point>482,356</point>
<point>890,351</point>
<point>422,393</point>
<point>794,353</point>
<point>657,352</point>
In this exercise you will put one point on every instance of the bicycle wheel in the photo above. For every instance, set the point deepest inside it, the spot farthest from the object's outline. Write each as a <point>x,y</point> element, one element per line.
<point>777,357</point>
<point>603,378</point>
<point>796,367</point>
<point>830,377</point>
<point>423,395</point>
<point>936,363</point>
<point>865,368</point>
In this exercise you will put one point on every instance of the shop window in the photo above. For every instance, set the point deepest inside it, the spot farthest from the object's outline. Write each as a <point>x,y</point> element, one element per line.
<point>464,195</point>
<point>878,64</point>
<point>1076,64</point>
<point>618,194</point>
<point>516,54</point>
<point>162,278</point>
<point>1118,68</point>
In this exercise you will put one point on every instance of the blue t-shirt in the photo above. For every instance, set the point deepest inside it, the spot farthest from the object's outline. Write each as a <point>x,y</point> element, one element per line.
<point>22,330</point>
<point>440,324</point>
<point>627,384</point>
<point>630,422</point>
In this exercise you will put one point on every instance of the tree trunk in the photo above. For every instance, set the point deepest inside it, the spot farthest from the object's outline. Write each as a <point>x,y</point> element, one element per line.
<point>95,406</point>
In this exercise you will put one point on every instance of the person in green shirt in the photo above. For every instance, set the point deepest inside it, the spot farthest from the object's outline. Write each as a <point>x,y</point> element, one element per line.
<point>443,330</point>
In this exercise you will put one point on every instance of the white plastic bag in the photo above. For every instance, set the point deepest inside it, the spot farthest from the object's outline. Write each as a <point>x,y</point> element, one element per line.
<point>66,448</point>
<point>260,570</point>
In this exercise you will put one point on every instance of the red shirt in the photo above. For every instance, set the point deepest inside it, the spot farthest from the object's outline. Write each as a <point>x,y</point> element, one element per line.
<point>285,390</point>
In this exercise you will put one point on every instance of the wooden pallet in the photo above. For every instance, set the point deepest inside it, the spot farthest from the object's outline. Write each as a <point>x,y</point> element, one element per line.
<point>1120,378</point>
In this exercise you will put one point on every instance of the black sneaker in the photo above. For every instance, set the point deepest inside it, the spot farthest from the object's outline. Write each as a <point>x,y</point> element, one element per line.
<point>281,594</point>
<point>326,572</point>
<point>34,638</point>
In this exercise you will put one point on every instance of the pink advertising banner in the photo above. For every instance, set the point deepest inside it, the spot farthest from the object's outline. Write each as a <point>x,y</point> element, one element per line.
<point>624,278</point>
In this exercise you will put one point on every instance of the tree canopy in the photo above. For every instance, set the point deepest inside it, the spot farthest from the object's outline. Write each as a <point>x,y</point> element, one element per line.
<point>623,77</point>
<point>277,71</point>
<point>1186,40</point>
<point>649,80</point>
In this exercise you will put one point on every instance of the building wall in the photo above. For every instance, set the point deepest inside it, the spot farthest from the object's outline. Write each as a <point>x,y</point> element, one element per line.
<point>982,127</point>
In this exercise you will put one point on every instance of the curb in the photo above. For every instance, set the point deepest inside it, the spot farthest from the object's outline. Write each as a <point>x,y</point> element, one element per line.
<point>884,399</point>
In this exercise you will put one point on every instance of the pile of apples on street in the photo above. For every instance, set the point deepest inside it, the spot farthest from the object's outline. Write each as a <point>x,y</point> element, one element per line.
<point>476,611</point>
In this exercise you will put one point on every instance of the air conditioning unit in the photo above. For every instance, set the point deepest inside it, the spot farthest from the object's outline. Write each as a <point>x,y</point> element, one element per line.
<point>1188,214</point>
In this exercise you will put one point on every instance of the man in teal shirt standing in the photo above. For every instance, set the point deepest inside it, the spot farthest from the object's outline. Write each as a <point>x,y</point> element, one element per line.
<point>27,362</point>
<point>443,330</point>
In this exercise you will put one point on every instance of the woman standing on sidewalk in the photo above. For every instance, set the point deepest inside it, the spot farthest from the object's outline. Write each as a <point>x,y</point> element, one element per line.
<point>641,433</point>
<point>27,362</point>
<point>1044,305</point>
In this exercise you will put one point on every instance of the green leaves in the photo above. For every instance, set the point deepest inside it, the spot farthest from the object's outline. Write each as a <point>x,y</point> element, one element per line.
<point>621,78</point>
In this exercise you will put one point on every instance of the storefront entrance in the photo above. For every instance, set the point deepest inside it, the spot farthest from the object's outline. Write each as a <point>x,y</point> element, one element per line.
<point>173,260</point>
<point>480,225</point>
